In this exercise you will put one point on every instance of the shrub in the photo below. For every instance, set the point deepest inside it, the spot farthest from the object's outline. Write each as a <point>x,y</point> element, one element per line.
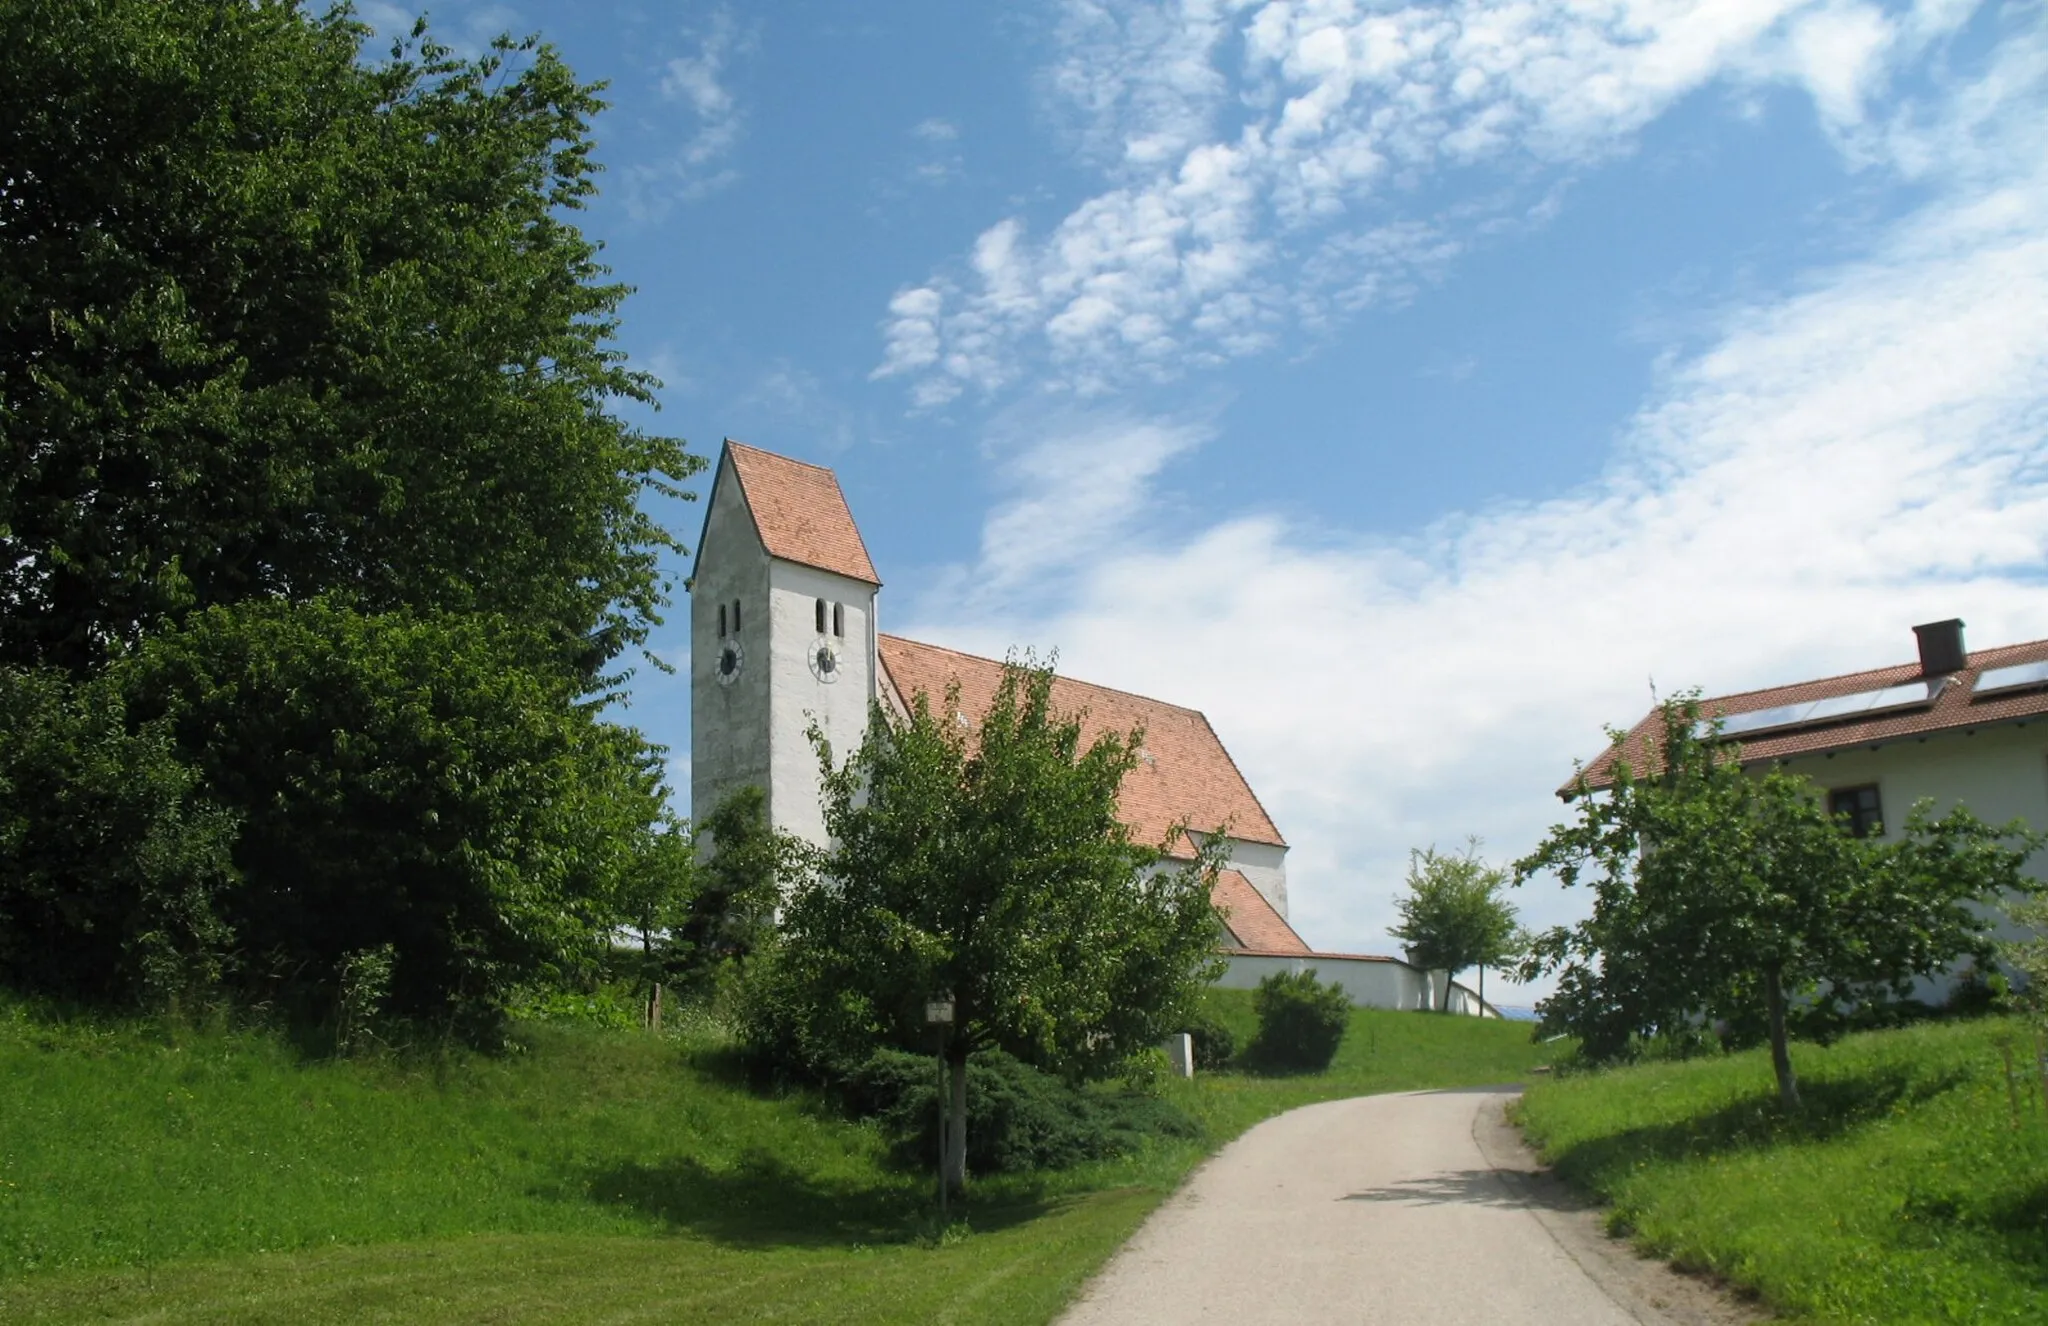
<point>1301,1023</point>
<point>113,867</point>
<point>1215,1044</point>
<point>1018,1117</point>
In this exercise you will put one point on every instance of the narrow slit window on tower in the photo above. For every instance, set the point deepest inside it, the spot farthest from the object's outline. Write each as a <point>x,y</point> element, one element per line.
<point>839,620</point>
<point>735,616</point>
<point>821,616</point>
<point>721,621</point>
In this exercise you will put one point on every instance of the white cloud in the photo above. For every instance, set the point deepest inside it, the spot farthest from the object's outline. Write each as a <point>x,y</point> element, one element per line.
<point>1857,455</point>
<point>1257,156</point>
<point>695,164</point>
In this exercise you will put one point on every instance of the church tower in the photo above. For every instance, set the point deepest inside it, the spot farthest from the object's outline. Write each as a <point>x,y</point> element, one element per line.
<point>782,634</point>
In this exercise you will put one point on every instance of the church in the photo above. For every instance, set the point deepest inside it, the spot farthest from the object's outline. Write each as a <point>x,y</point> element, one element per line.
<point>784,631</point>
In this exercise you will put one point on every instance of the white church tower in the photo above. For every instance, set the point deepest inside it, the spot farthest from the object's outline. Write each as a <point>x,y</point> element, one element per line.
<point>782,634</point>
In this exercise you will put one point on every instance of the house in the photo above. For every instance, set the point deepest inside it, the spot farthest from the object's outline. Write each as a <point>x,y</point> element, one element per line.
<point>784,632</point>
<point>1953,727</point>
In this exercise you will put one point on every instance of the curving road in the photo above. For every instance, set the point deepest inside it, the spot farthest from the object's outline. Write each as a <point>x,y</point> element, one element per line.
<point>1415,1208</point>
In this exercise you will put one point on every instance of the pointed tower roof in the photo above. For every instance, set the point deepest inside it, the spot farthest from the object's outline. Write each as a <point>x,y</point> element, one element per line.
<point>799,512</point>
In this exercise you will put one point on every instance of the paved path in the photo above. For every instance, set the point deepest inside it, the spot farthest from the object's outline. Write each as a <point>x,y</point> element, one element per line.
<point>1419,1208</point>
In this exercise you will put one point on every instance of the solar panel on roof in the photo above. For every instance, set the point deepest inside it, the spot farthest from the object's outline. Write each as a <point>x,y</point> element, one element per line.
<point>2019,676</point>
<point>1833,708</point>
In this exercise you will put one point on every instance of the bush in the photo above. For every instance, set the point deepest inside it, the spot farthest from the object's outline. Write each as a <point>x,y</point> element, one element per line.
<point>1018,1118</point>
<point>113,869</point>
<point>1301,1023</point>
<point>1215,1044</point>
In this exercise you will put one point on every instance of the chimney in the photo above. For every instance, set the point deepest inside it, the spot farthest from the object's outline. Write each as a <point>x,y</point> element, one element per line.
<point>1941,648</point>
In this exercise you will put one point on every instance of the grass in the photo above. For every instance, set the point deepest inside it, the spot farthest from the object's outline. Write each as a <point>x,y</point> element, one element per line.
<point>1911,1187</point>
<point>217,1176</point>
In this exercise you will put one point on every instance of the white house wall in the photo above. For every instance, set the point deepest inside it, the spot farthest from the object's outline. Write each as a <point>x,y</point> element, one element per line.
<point>1264,866</point>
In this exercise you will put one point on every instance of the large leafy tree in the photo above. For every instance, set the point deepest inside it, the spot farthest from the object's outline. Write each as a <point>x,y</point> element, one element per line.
<point>312,485</point>
<point>277,321</point>
<point>1454,915</point>
<point>991,868</point>
<point>1725,895</point>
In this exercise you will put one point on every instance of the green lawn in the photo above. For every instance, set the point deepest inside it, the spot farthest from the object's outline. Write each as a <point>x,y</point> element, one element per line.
<point>1903,1192</point>
<point>216,1176</point>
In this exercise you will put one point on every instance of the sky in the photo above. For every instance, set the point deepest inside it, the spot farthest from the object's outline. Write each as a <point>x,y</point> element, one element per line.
<point>1417,390</point>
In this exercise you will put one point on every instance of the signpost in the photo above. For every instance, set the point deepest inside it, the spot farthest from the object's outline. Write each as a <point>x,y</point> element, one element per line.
<point>938,1014</point>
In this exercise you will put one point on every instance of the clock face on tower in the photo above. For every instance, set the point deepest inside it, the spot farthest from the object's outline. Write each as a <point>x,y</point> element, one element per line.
<point>730,660</point>
<point>825,661</point>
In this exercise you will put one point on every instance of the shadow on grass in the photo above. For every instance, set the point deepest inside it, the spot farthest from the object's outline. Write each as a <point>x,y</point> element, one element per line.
<point>1829,1108</point>
<point>763,1202</point>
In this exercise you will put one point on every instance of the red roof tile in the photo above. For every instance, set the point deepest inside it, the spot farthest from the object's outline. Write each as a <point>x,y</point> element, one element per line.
<point>800,512</point>
<point>1954,709</point>
<point>1253,924</point>
<point>1183,770</point>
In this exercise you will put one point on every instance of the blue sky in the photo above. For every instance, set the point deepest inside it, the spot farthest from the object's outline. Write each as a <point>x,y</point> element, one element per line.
<point>1409,388</point>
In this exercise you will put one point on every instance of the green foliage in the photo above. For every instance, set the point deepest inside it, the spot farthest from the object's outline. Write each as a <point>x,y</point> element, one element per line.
<point>114,873</point>
<point>2029,956</point>
<point>751,862</point>
<point>998,872</point>
<point>1301,1023</point>
<point>1454,916</point>
<point>1020,1119</point>
<point>400,781</point>
<point>279,320</point>
<point>1215,1044</point>
<point>1722,897</point>
<point>1910,1188</point>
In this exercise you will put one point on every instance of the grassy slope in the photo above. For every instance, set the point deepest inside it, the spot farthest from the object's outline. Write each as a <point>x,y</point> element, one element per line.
<point>593,1176</point>
<point>1903,1192</point>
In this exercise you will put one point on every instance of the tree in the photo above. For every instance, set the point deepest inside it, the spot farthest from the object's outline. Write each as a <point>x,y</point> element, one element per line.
<point>992,870</point>
<point>661,883</point>
<point>740,882</point>
<point>2030,955</point>
<point>279,321</point>
<point>1454,916</point>
<point>1725,895</point>
<point>397,784</point>
<point>310,472</point>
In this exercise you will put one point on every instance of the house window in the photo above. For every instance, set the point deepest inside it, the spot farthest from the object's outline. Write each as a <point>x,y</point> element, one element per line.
<point>721,621</point>
<point>1859,809</point>
<point>839,620</point>
<point>821,616</point>
<point>735,616</point>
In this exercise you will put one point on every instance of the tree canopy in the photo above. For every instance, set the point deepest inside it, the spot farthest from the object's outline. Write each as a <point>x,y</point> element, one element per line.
<point>1732,897</point>
<point>321,538</point>
<point>990,867</point>
<point>277,321</point>
<point>1453,915</point>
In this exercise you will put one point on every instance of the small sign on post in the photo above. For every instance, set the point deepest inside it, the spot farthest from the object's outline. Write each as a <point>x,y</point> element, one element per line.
<point>939,1012</point>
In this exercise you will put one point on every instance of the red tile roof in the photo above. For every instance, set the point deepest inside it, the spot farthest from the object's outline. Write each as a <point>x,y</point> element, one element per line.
<point>1954,709</point>
<point>800,512</point>
<point>1183,771</point>
<point>1253,924</point>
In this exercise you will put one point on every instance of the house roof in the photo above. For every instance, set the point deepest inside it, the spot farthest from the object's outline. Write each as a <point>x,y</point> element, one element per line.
<point>1956,708</point>
<point>1253,924</point>
<point>800,512</point>
<point>1183,771</point>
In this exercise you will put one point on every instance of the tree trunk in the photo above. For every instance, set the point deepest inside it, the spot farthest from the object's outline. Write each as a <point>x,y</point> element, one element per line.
<point>955,1170</point>
<point>1448,976</point>
<point>1482,992</point>
<point>1781,1054</point>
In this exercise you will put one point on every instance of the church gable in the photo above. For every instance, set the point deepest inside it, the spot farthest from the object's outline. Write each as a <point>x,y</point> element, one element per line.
<point>800,512</point>
<point>1183,770</point>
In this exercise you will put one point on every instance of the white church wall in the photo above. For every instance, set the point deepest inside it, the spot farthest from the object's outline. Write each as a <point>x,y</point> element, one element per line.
<point>729,728</point>
<point>1371,982</point>
<point>1264,866</point>
<point>798,693</point>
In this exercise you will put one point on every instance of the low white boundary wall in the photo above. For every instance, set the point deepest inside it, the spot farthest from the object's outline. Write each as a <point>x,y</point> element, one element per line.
<point>1371,982</point>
